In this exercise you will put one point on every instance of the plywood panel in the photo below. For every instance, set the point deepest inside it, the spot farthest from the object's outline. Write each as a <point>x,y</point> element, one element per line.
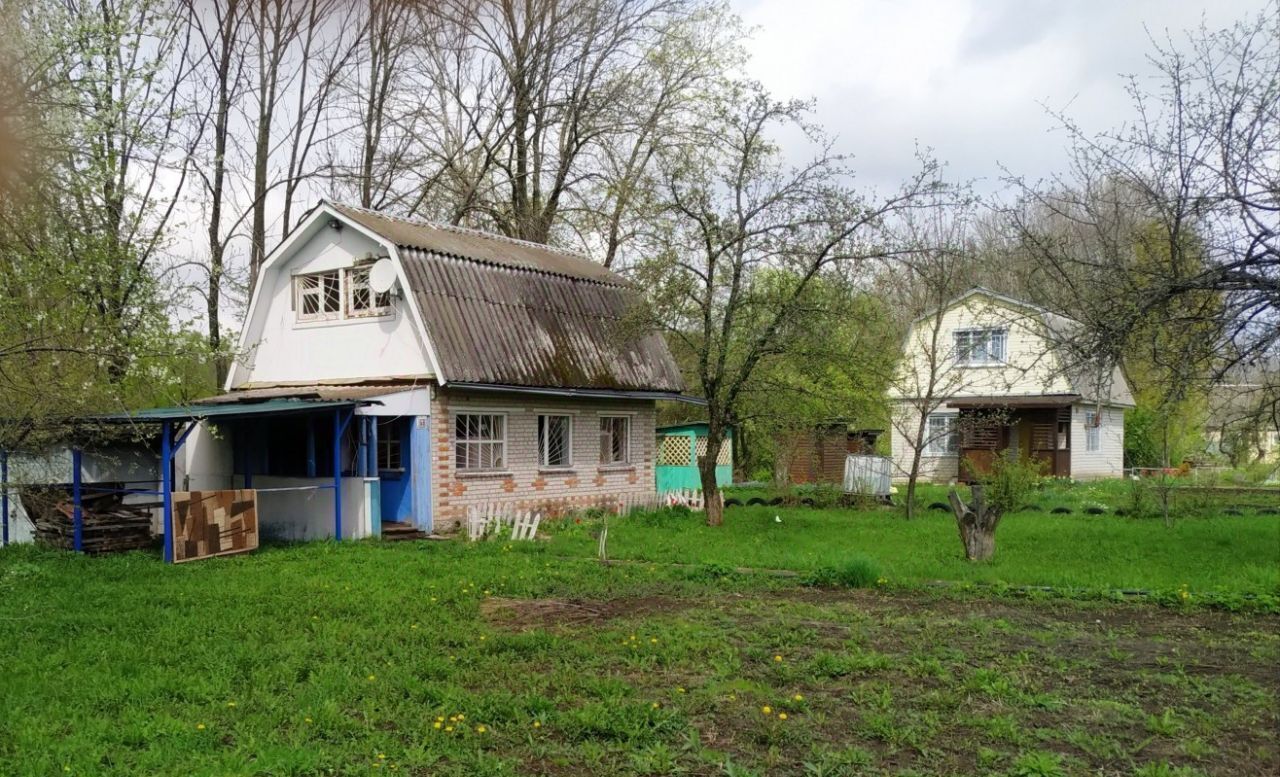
<point>214,523</point>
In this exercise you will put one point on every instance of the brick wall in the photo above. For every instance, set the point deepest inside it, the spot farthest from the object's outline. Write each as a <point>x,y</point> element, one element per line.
<point>522,482</point>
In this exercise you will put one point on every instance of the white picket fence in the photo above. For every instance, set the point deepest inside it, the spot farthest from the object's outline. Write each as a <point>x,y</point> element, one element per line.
<point>486,520</point>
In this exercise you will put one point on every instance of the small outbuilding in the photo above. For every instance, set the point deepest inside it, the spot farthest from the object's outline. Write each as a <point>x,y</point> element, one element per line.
<point>679,448</point>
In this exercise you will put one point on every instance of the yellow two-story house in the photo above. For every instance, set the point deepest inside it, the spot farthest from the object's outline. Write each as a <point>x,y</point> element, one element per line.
<point>989,375</point>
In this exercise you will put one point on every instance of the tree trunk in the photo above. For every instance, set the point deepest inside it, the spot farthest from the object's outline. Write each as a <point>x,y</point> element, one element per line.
<point>707,473</point>
<point>977,524</point>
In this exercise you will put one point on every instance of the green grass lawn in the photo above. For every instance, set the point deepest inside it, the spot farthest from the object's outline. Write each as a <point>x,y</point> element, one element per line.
<point>503,659</point>
<point>1226,555</point>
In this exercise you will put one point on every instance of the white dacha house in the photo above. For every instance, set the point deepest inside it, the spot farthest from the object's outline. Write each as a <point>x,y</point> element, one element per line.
<point>395,373</point>
<point>986,376</point>
<point>473,369</point>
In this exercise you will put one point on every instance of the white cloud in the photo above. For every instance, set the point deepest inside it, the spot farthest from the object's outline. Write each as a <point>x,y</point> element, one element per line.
<point>969,78</point>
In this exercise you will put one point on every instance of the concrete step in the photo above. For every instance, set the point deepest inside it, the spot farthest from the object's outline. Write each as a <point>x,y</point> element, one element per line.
<point>398,530</point>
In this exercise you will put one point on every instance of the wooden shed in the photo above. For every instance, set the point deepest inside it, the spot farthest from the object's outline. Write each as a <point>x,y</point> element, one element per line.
<point>679,448</point>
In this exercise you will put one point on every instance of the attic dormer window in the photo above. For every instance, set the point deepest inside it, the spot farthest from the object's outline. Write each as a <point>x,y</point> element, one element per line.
<point>319,296</point>
<point>981,347</point>
<point>338,294</point>
<point>361,300</point>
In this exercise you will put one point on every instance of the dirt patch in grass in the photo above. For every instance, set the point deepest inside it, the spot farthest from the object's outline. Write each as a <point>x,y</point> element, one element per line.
<point>528,614</point>
<point>884,680</point>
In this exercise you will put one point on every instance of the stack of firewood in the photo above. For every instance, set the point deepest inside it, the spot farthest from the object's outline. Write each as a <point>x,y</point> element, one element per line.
<point>109,525</point>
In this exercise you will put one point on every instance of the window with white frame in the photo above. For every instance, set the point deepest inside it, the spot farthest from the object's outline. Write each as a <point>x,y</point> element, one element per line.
<point>943,436</point>
<point>480,441</point>
<point>981,347</point>
<point>319,296</point>
<point>338,294</point>
<point>361,299</point>
<point>615,439</point>
<point>1092,430</point>
<point>555,441</point>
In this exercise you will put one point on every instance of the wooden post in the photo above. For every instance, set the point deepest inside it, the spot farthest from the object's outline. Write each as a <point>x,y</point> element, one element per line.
<point>4,495</point>
<point>166,486</point>
<point>337,473</point>
<point>77,514</point>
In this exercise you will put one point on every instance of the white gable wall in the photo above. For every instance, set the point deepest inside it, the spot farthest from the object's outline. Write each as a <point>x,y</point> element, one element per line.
<point>1031,367</point>
<point>1108,460</point>
<point>280,349</point>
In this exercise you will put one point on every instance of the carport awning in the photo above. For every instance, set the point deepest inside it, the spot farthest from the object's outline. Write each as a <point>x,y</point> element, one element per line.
<point>227,411</point>
<point>1040,400</point>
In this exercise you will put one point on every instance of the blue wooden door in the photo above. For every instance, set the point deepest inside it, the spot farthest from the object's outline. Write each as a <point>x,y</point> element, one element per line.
<point>395,469</point>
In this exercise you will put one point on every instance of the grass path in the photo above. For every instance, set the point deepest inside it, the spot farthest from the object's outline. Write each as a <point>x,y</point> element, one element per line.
<point>1229,555</point>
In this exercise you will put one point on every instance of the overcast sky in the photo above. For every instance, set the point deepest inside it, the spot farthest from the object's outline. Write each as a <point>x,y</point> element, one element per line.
<point>970,78</point>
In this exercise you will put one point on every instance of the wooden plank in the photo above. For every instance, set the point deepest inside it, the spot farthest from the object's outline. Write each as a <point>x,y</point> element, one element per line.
<point>214,523</point>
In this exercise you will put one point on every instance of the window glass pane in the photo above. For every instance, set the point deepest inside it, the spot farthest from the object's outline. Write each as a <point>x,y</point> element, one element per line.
<point>479,442</point>
<point>553,440</point>
<point>332,298</point>
<point>614,439</point>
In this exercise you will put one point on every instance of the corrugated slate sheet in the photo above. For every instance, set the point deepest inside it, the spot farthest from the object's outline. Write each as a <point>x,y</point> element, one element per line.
<point>477,246</point>
<point>501,323</point>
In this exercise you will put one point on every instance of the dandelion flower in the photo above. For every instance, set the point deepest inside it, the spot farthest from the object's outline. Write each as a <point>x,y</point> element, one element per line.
<point>306,720</point>
<point>767,710</point>
<point>371,678</point>
<point>798,697</point>
<point>414,626</point>
<point>231,704</point>
<point>199,727</point>
<point>777,659</point>
<point>679,690</point>
<point>481,729</point>
<point>653,640</point>
<point>782,716</point>
<point>448,728</point>
<point>655,705</point>
<point>537,724</point>
<point>437,724</point>
<point>382,756</point>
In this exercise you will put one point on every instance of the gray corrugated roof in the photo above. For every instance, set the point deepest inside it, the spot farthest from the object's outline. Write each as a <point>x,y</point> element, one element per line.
<point>477,246</point>
<point>500,325</point>
<point>506,312</point>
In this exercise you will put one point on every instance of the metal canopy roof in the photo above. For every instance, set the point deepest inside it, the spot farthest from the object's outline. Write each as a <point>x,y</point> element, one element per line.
<point>234,410</point>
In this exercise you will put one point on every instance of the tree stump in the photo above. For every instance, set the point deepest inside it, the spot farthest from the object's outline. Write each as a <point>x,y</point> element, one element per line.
<point>977,524</point>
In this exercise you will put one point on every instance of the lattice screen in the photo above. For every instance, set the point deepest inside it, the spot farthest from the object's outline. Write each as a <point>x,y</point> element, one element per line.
<point>674,451</point>
<point>725,456</point>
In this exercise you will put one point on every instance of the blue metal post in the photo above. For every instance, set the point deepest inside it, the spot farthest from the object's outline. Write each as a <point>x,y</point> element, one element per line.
<point>337,474</point>
<point>166,486</point>
<point>4,490</point>
<point>77,509</point>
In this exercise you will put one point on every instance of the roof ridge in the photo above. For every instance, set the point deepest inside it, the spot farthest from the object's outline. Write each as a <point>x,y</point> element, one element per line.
<point>418,220</point>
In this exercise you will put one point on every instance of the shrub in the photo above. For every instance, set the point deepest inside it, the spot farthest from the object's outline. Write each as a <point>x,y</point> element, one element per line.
<point>857,572</point>
<point>1011,482</point>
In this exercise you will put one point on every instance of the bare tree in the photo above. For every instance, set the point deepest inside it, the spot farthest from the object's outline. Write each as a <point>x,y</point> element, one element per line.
<point>1200,169</point>
<point>734,209</point>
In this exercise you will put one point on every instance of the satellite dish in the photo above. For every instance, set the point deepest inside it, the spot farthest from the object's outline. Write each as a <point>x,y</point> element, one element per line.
<point>382,276</point>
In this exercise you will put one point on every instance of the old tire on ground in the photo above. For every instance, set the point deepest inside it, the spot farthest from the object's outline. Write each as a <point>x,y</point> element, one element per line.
<point>1061,511</point>
<point>732,502</point>
<point>755,500</point>
<point>946,508</point>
